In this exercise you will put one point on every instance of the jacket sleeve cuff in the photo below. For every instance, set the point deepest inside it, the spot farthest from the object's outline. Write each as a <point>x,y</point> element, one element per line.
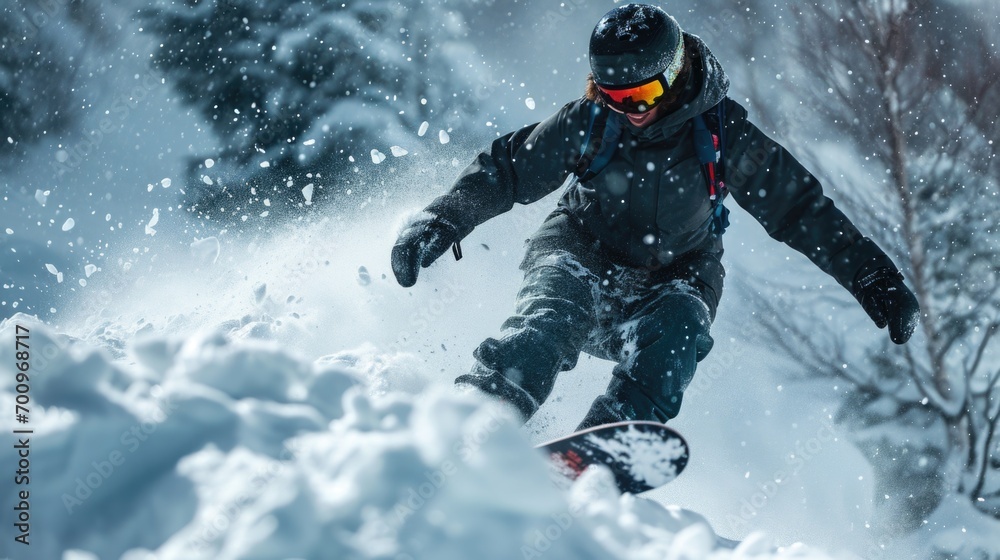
<point>856,260</point>
<point>453,213</point>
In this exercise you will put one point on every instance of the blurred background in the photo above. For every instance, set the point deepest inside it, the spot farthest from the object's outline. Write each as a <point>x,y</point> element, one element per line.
<point>171,165</point>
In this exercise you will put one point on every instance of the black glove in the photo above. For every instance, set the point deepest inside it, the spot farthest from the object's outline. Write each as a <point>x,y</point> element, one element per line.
<point>419,245</point>
<point>888,301</point>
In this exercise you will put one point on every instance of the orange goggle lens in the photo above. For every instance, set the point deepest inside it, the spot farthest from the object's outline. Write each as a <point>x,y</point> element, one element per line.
<point>636,98</point>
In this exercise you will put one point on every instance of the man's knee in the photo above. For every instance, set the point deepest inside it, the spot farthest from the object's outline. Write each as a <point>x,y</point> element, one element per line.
<point>677,325</point>
<point>703,345</point>
<point>668,344</point>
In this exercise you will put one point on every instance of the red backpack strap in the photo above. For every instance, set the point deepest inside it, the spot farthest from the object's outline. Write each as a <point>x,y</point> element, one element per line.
<point>710,148</point>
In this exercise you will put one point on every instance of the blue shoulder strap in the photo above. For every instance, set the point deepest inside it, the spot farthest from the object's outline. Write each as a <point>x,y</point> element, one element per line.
<point>603,133</point>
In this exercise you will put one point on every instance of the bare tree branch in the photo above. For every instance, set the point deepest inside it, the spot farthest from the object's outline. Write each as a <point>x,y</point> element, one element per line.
<point>991,330</point>
<point>891,77</point>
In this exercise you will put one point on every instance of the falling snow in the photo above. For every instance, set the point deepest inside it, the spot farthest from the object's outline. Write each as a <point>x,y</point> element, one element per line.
<point>152,222</point>
<point>248,257</point>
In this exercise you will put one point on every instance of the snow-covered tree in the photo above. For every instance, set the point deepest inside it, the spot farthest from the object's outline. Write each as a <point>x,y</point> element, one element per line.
<point>44,47</point>
<point>32,60</point>
<point>302,92</point>
<point>913,87</point>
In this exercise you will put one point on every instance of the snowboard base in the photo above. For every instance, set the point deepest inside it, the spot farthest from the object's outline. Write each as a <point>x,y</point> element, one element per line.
<point>641,455</point>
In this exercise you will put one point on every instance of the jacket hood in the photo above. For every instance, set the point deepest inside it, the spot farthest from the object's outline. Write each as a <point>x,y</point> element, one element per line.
<point>711,87</point>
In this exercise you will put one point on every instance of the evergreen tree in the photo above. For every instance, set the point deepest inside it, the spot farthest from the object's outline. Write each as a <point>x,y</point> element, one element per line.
<point>32,61</point>
<point>302,91</point>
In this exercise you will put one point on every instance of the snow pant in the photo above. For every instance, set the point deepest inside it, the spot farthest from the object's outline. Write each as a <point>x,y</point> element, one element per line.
<point>653,323</point>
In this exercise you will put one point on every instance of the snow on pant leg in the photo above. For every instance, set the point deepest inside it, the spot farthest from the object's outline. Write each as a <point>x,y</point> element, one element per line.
<point>663,346</point>
<point>554,316</point>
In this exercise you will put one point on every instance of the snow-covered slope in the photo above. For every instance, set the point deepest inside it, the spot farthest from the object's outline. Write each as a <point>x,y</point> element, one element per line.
<point>218,445</point>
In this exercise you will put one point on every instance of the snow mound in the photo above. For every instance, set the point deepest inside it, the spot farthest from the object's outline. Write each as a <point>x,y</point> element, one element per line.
<point>214,448</point>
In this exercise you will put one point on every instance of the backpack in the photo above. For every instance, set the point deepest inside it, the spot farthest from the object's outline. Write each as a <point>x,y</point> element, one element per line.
<point>605,129</point>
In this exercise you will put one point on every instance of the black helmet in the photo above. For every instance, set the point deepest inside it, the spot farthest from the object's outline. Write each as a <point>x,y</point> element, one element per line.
<point>635,42</point>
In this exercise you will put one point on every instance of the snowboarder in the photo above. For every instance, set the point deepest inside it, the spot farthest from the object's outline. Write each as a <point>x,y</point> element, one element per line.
<point>627,267</point>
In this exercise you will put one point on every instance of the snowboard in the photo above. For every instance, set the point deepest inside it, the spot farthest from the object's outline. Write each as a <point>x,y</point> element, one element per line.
<point>641,455</point>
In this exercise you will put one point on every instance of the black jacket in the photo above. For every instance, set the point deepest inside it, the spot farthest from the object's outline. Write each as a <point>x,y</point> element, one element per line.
<point>654,189</point>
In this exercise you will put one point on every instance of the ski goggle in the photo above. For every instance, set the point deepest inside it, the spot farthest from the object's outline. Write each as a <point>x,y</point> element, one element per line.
<point>636,98</point>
